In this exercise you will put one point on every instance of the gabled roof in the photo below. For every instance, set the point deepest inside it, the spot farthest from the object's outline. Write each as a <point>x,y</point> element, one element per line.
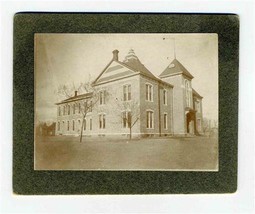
<point>76,98</point>
<point>175,67</point>
<point>196,94</point>
<point>130,66</point>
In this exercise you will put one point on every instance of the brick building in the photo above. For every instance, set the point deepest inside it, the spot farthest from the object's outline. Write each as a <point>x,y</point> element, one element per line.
<point>128,99</point>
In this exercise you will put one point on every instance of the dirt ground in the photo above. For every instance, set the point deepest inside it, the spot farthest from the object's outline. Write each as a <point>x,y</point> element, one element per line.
<point>165,153</point>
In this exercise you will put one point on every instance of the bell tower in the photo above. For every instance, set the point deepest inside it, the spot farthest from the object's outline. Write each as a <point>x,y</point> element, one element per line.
<point>177,75</point>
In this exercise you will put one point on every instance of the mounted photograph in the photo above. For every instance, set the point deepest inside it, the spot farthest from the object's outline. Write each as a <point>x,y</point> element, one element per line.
<point>126,102</point>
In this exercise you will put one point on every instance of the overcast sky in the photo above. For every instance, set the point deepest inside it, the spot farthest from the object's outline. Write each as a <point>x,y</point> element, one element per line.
<point>76,58</point>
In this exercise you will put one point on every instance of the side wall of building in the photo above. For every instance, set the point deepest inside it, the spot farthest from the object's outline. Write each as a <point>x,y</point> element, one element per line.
<point>115,106</point>
<point>157,107</point>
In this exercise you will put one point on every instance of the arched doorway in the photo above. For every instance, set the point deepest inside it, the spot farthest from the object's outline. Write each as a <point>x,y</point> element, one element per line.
<point>190,122</point>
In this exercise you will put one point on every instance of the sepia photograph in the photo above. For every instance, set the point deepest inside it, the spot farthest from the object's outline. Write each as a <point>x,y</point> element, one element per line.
<point>126,102</point>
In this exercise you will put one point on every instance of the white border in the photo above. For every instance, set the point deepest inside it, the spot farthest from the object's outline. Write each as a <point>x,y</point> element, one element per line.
<point>240,202</point>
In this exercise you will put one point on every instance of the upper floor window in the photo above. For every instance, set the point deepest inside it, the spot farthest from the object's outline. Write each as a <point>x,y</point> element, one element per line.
<point>64,110</point>
<point>74,108</point>
<point>102,121</point>
<point>68,109</point>
<point>187,93</point>
<point>79,108</point>
<point>149,119</point>
<point>102,97</point>
<point>126,119</point>
<point>198,107</point>
<point>165,97</point>
<point>90,106</point>
<point>63,125</point>
<point>149,92</point>
<point>165,121</point>
<point>126,92</point>
<point>59,111</point>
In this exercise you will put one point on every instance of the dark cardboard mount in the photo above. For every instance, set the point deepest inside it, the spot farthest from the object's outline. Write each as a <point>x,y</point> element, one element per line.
<point>27,181</point>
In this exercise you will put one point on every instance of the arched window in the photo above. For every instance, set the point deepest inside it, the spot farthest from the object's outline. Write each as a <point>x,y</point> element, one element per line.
<point>58,126</point>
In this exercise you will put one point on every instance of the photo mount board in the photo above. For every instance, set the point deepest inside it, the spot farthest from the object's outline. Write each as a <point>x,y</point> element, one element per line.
<point>27,181</point>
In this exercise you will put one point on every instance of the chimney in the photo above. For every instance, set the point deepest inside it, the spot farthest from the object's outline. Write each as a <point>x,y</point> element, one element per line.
<point>75,93</point>
<point>115,55</point>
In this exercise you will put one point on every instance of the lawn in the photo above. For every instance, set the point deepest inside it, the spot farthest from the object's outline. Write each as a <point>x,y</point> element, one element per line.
<point>67,153</point>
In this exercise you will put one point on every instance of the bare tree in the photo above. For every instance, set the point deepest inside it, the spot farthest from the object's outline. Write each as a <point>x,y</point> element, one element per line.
<point>85,104</point>
<point>129,112</point>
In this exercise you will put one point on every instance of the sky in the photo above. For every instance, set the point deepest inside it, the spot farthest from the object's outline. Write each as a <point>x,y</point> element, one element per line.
<point>76,58</point>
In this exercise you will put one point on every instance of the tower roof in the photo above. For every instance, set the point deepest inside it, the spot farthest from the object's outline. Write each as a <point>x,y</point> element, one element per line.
<point>175,67</point>
<point>133,61</point>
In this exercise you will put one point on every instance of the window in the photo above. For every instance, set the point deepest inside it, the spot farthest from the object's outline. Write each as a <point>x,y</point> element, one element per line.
<point>68,110</point>
<point>86,106</point>
<point>149,116</point>
<point>165,97</point>
<point>149,92</point>
<point>187,93</point>
<point>90,124</point>
<point>73,125</point>
<point>165,121</point>
<point>102,97</point>
<point>64,110</point>
<point>58,126</point>
<point>126,119</point>
<point>126,92</point>
<point>63,124</point>
<point>102,121</point>
<point>84,124</point>
<point>79,108</point>
<point>74,108</point>
<point>68,127</point>
<point>198,107</point>
<point>90,106</point>
<point>59,111</point>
